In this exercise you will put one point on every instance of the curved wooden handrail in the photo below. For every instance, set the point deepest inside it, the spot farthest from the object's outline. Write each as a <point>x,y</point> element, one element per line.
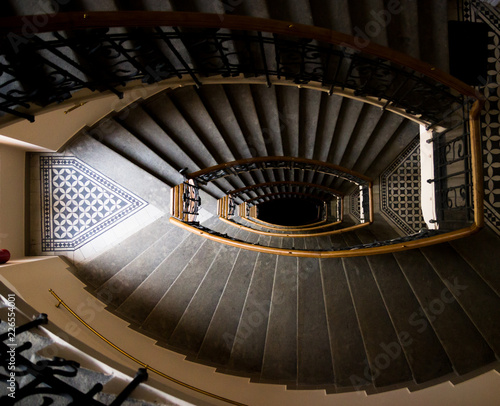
<point>282,183</point>
<point>99,19</point>
<point>137,361</point>
<point>239,162</point>
<point>477,162</point>
<point>312,226</point>
<point>478,191</point>
<point>356,252</point>
<point>298,235</point>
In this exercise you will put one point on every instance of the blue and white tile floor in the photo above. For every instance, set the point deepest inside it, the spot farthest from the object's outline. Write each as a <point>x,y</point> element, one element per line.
<point>81,212</point>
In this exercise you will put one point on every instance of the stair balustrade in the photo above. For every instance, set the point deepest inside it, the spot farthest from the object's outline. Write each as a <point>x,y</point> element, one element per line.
<point>30,381</point>
<point>39,70</point>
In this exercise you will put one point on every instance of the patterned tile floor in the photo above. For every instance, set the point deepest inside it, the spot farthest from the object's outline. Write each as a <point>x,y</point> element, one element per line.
<point>402,206</point>
<point>400,190</point>
<point>83,211</point>
<point>477,11</point>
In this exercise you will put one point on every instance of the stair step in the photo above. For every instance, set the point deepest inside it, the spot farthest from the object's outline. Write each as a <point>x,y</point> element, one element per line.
<point>421,347</point>
<point>313,342</point>
<point>479,251</point>
<point>146,130</point>
<point>365,17</point>
<point>266,106</point>
<point>219,339</point>
<point>250,338</point>
<point>374,322</point>
<point>433,33</point>
<point>120,140</point>
<point>191,329</point>
<point>403,28</point>
<point>466,348</point>
<point>121,171</point>
<point>280,354</point>
<point>297,11</point>
<point>219,107</point>
<point>242,102</point>
<point>191,107</point>
<point>99,270</point>
<point>310,101</point>
<point>346,123</point>
<point>346,345</point>
<point>168,311</point>
<point>141,302</point>
<point>333,15</point>
<point>164,112</point>
<point>400,139</point>
<point>288,104</point>
<point>481,304</point>
<point>367,123</point>
<point>121,285</point>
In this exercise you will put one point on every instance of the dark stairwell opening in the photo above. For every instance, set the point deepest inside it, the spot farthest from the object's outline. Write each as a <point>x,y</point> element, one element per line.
<point>289,212</point>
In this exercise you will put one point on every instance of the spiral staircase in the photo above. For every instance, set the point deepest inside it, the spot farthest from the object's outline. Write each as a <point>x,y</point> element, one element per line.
<point>375,323</point>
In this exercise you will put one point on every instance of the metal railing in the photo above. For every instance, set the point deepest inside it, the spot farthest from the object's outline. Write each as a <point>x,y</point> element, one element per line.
<point>136,360</point>
<point>85,54</point>
<point>185,201</point>
<point>53,378</point>
<point>453,172</point>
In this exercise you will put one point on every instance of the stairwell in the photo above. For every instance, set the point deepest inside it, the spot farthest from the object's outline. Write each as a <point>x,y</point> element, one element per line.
<point>374,323</point>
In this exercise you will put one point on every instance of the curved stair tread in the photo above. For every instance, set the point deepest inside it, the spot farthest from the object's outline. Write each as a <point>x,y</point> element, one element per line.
<point>219,339</point>
<point>421,347</point>
<point>374,322</point>
<point>280,355</point>
<point>142,301</point>
<point>121,285</point>
<point>349,360</point>
<point>191,329</point>
<point>464,345</point>
<point>162,320</point>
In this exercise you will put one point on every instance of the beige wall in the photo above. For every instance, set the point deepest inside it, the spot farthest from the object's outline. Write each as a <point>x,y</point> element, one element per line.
<point>12,181</point>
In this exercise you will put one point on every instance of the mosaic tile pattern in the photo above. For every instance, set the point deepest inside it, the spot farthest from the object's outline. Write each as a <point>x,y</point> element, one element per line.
<point>354,201</point>
<point>477,11</point>
<point>400,190</point>
<point>79,203</point>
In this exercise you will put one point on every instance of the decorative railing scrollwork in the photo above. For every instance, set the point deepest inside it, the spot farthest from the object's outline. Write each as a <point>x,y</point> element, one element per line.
<point>277,162</point>
<point>87,52</point>
<point>47,381</point>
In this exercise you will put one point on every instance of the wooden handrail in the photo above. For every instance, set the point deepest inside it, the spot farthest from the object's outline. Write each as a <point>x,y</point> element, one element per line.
<point>227,165</point>
<point>477,162</point>
<point>298,235</point>
<point>137,361</point>
<point>99,19</point>
<point>312,226</point>
<point>356,252</point>
<point>478,192</point>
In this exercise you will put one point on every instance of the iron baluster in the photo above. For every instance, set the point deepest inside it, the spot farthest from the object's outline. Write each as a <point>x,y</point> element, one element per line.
<point>177,54</point>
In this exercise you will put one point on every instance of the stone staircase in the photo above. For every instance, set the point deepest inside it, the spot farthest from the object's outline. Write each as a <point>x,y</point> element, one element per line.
<point>340,324</point>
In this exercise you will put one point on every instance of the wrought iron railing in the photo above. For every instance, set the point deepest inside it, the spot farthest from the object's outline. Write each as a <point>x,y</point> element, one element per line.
<point>145,366</point>
<point>290,164</point>
<point>47,381</point>
<point>453,181</point>
<point>185,201</point>
<point>417,240</point>
<point>84,53</point>
<point>323,192</point>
